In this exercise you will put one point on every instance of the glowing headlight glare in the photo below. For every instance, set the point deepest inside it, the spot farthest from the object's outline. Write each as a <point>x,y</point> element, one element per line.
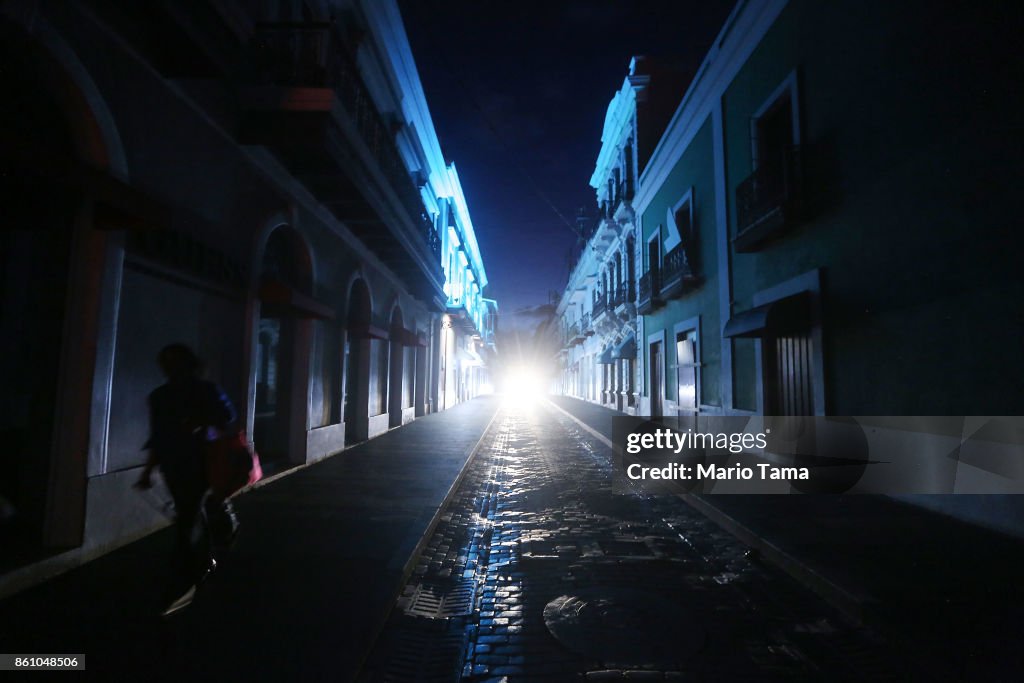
<point>524,385</point>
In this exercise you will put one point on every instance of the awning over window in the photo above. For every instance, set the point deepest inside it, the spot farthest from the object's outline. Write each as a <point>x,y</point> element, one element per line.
<point>279,299</point>
<point>786,315</point>
<point>627,349</point>
<point>605,357</point>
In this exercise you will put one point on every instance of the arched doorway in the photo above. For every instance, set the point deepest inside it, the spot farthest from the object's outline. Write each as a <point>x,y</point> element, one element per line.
<point>357,364</point>
<point>282,351</point>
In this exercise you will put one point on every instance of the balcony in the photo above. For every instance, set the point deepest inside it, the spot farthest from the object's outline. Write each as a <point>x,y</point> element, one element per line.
<point>625,296</point>
<point>613,297</point>
<point>306,101</point>
<point>586,326</point>
<point>649,297</point>
<point>460,314</point>
<point>600,306</point>
<point>574,335</point>
<point>767,202</point>
<point>677,276</point>
<point>622,202</point>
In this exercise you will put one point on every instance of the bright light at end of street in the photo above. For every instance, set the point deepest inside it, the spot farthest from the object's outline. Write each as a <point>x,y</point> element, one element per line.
<point>524,386</point>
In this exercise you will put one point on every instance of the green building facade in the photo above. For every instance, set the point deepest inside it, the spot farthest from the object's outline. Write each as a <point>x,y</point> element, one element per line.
<point>850,184</point>
<point>841,180</point>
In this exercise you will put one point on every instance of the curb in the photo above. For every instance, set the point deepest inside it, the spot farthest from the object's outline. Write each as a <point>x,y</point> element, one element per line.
<point>410,563</point>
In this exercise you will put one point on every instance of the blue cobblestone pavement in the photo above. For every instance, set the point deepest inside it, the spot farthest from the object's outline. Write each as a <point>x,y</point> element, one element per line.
<point>539,573</point>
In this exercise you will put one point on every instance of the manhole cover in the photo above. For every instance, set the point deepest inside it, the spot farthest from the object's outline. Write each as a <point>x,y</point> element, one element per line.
<point>624,626</point>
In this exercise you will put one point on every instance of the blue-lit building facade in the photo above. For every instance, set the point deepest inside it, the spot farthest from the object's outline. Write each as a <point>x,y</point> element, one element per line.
<point>469,323</point>
<point>260,181</point>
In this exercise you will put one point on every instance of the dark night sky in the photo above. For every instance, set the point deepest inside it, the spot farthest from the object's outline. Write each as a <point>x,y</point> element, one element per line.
<point>518,92</point>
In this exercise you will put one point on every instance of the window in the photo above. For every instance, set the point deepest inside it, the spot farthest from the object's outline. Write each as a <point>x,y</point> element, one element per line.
<point>649,285</point>
<point>628,368</point>
<point>678,270</point>
<point>268,355</point>
<point>630,267</point>
<point>379,351</point>
<point>409,370</point>
<point>683,217</point>
<point>773,138</point>
<point>654,253</point>
<point>775,127</point>
<point>627,160</point>
<point>766,200</point>
<point>326,374</point>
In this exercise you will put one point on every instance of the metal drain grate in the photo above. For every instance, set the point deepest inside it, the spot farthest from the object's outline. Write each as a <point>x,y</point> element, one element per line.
<point>424,657</point>
<point>439,600</point>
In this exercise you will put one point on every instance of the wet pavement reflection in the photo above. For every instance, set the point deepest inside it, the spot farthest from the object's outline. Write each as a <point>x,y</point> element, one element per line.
<point>537,572</point>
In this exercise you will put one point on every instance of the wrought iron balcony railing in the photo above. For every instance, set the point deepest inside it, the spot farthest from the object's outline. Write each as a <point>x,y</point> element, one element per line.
<point>766,201</point>
<point>624,294</point>
<point>600,305</point>
<point>573,335</point>
<point>676,273</point>
<point>613,297</point>
<point>649,292</point>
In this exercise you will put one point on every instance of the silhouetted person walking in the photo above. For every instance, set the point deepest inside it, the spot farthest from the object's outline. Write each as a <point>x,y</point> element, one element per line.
<point>185,414</point>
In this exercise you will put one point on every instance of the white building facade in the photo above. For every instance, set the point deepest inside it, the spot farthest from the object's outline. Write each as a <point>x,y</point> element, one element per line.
<point>597,313</point>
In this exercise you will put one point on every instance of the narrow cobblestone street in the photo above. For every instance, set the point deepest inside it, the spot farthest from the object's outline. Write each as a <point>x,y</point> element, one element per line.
<point>538,572</point>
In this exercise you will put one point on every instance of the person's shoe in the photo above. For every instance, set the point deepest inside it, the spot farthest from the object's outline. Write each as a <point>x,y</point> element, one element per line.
<point>181,603</point>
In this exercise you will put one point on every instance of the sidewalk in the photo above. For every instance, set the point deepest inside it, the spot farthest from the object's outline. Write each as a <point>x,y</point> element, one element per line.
<point>321,555</point>
<point>929,581</point>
